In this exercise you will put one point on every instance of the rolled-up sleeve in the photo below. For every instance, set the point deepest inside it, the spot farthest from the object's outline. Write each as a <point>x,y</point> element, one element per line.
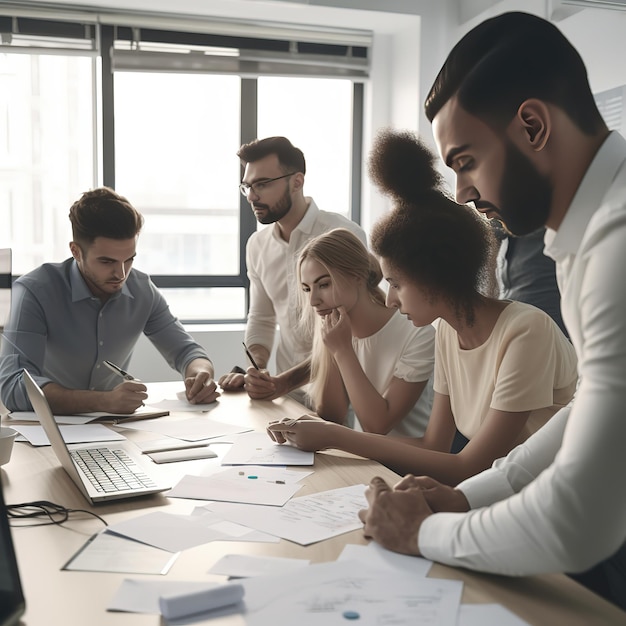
<point>23,347</point>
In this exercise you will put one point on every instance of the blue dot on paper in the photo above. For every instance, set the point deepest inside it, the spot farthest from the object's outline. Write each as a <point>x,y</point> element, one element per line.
<point>252,477</point>
<point>351,615</point>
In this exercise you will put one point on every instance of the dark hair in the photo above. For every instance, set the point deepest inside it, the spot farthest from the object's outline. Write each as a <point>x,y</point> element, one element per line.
<point>104,213</point>
<point>444,247</point>
<point>508,59</point>
<point>290,158</point>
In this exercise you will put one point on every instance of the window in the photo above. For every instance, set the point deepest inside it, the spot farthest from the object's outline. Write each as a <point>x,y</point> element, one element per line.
<point>159,115</point>
<point>175,141</point>
<point>316,115</point>
<point>46,152</point>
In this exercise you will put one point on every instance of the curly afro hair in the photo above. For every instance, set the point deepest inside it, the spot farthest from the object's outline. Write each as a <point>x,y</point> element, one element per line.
<point>445,247</point>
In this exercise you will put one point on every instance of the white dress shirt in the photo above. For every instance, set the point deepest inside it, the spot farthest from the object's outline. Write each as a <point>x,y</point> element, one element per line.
<point>274,287</point>
<point>557,503</point>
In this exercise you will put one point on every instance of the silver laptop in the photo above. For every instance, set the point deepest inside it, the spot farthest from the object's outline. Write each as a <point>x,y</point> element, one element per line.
<point>102,472</point>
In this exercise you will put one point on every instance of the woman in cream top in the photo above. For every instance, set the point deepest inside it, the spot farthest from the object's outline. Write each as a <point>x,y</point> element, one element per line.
<point>526,364</point>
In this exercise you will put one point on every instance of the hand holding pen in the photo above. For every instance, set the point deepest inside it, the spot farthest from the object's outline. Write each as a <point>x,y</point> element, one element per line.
<point>250,357</point>
<point>119,371</point>
<point>128,396</point>
<point>258,382</point>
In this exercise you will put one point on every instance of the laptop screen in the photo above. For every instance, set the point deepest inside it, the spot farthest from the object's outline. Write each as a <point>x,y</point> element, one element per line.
<point>12,603</point>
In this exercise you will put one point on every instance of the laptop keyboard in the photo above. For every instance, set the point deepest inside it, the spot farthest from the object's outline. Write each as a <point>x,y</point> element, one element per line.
<point>111,470</point>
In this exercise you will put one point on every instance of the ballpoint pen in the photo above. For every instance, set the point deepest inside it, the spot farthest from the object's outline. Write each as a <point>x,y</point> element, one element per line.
<point>119,371</point>
<point>256,367</point>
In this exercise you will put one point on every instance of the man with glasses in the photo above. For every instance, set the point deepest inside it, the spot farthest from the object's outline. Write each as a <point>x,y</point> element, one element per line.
<point>273,184</point>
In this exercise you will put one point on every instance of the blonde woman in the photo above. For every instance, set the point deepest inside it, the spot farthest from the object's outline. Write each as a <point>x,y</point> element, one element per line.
<point>365,355</point>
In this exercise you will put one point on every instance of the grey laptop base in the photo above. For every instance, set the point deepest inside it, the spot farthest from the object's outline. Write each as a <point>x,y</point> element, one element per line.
<point>102,471</point>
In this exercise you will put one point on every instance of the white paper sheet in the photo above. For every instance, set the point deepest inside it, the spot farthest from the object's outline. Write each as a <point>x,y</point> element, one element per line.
<point>320,595</point>
<point>180,403</point>
<point>234,531</point>
<point>192,429</point>
<point>87,433</point>
<point>175,533</point>
<point>142,596</point>
<point>304,520</point>
<point>235,486</point>
<point>376,557</point>
<point>269,473</point>
<point>488,615</point>
<point>247,566</point>
<point>106,552</point>
<point>170,396</point>
<point>257,448</point>
<point>167,531</point>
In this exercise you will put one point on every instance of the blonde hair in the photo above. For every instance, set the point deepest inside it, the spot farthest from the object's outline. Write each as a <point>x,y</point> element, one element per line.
<point>346,259</point>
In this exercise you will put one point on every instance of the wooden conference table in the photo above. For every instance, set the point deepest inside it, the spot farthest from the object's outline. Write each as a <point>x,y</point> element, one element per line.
<point>56,597</point>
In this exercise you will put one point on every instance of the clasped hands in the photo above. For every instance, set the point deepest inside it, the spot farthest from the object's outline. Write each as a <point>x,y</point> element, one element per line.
<point>200,388</point>
<point>307,432</point>
<point>395,514</point>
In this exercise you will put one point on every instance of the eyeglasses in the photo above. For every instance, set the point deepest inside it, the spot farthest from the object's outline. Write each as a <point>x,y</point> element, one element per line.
<point>260,185</point>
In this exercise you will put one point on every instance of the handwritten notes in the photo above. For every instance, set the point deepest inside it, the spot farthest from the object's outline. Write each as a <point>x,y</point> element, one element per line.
<point>303,520</point>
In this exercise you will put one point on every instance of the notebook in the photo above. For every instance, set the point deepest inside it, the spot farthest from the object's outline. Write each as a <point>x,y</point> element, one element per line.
<point>102,472</point>
<point>12,602</point>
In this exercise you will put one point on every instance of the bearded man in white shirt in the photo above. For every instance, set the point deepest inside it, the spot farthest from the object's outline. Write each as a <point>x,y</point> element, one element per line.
<point>514,117</point>
<point>273,184</point>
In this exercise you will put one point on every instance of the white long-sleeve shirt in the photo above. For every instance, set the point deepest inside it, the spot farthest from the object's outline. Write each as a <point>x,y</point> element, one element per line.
<point>274,286</point>
<point>557,503</point>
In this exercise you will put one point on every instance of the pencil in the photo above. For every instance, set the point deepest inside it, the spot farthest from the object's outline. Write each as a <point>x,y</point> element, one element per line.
<point>256,367</point>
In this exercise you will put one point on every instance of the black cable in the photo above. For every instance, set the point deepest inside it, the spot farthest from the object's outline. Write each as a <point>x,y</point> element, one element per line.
<point>56,513</point>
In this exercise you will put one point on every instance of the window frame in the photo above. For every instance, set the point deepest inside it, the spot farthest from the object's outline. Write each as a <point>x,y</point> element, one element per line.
<point>104,36</point>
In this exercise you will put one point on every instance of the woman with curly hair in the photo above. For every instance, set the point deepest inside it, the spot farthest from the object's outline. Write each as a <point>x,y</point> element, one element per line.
<point>502,368</point>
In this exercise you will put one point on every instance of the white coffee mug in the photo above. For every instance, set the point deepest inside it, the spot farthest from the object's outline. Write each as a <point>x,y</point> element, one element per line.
<point>7,437</point>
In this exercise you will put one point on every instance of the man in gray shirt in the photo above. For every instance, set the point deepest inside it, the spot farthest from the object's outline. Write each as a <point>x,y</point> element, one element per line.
<point>526,274</point>
<point>68,318</point>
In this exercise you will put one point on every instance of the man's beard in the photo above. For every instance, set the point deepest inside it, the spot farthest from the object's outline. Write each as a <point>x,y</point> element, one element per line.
<point>526,195</point>
<point>278,211</point>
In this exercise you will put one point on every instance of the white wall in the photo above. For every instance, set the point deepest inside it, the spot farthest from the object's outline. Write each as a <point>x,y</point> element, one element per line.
<point>223,344</point>
<point>597,34</point>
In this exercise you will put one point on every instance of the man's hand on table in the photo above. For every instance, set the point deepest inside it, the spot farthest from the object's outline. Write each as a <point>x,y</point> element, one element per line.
<point>395,515</point>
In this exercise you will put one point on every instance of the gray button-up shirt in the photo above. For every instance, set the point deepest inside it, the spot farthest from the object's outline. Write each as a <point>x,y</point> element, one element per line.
<point>60,332</point>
